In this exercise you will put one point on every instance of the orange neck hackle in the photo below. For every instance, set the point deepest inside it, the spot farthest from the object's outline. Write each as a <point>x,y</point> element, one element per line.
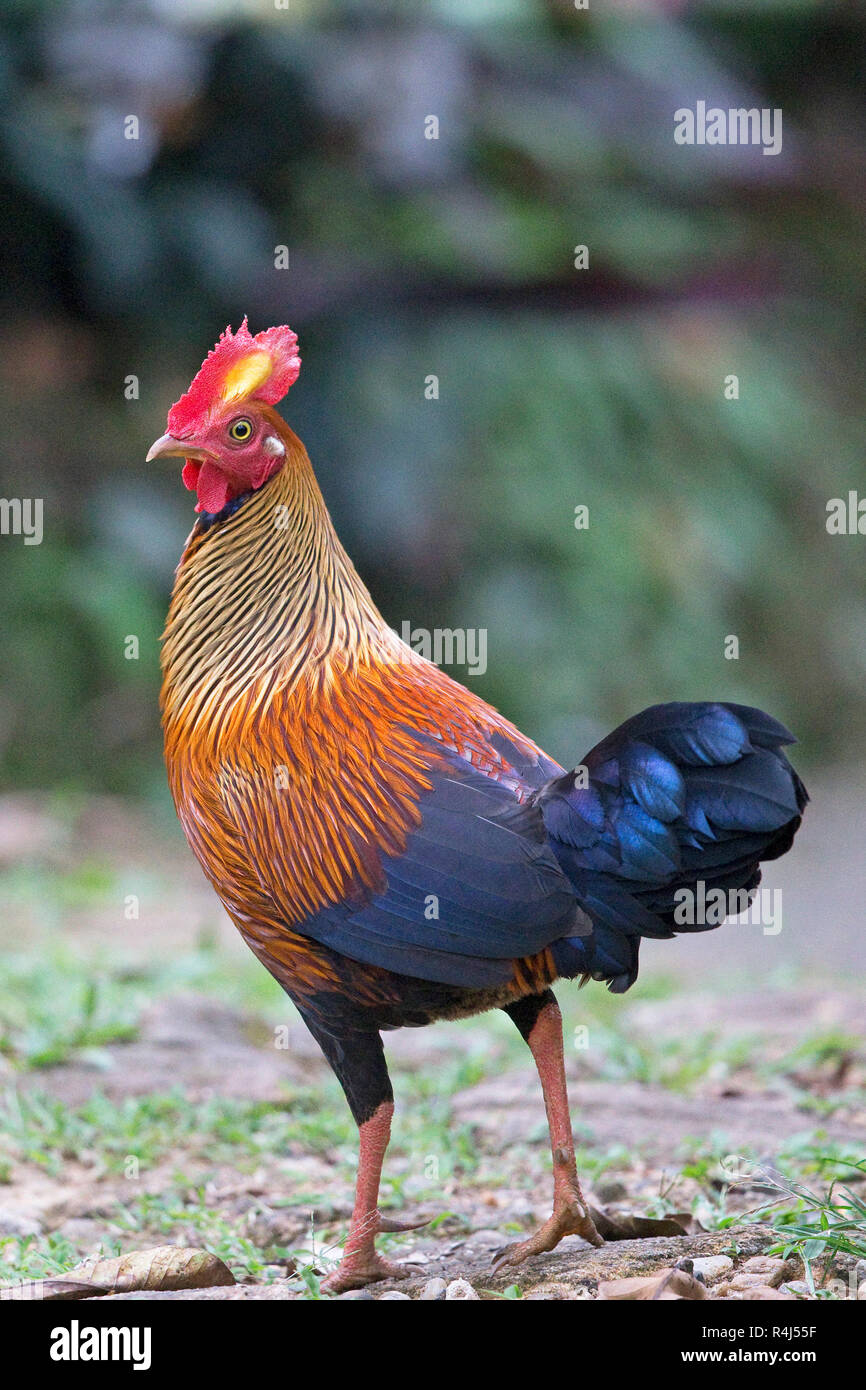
<point>264,599</point>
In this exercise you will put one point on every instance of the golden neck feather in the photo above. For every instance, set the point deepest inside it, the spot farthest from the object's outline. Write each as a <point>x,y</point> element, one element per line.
<point>266,598</point>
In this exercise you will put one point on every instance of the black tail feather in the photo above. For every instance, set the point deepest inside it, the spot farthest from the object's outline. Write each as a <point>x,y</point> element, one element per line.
<point>680,795</point>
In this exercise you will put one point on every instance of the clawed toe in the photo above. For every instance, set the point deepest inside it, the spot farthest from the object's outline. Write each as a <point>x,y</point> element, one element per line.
<point>356,1275</point>
<point>571,1218</point>
<point>505,1255</point>
<point>387,1224</point>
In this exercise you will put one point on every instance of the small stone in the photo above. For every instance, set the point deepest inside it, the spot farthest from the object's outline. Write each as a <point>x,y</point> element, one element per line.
<point>393,1295</point>
<point>354,1294</point>
<point>433,1290</point>
<point>460,1288</point>
<point>711,1268</point>
<point>771,1270</point>
<point>861,1294</point>
<point>796,1286</point>
<point>739,1282</point>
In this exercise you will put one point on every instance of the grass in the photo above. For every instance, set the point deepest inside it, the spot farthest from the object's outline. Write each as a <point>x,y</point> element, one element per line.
<point>820,1226</point>
<point>39,1129</point>
<point>60,1005</point>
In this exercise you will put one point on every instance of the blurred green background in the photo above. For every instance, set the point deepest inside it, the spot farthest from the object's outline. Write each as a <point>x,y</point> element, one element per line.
<point>305,127</point>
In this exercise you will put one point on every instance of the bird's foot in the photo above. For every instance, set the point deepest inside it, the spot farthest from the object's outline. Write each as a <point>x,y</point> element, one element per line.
<point>362,1264</point>
<point>570,1218</point>
<point>355,1272</point>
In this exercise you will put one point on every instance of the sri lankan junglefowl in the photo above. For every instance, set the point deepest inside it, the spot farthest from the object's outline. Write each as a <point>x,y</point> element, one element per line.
<point>392,849</point>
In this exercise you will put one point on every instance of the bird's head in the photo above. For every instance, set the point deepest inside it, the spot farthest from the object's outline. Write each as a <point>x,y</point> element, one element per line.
<point>223,427</point>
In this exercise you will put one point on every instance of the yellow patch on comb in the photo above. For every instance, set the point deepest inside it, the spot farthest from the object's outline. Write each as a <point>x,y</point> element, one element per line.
<point>246,376</point>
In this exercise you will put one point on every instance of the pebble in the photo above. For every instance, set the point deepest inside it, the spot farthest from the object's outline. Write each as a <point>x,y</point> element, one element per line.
<point>461,1288</point>
<point>796,1286</point>
<point>353,1294</point>
<point>433,1290</point>
<point>393,1295</point>
<point>771,1269</point>
<point>739,1282</point>
<point>712,1267</point>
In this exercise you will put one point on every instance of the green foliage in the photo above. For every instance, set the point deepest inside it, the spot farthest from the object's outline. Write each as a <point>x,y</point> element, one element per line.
<point>822,1225</point>
<point>59,1005</point>
<point>558,387</point>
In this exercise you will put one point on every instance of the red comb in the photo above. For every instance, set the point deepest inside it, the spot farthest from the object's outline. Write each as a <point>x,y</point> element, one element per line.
<point>207,389</point>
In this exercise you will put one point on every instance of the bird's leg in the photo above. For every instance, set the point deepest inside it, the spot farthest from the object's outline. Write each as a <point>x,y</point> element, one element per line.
<point>358,1059</point>
<point>361,1263</point>
<point>540,1023</point>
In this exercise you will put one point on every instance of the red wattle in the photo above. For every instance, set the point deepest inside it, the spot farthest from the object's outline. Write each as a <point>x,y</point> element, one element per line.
<point>191,470</point>
<point>213,489</point>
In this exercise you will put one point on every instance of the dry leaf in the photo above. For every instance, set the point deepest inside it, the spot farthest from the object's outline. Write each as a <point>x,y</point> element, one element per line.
<point>629,1226</point>
<point>47,1290</point>
<point>162,1269</point>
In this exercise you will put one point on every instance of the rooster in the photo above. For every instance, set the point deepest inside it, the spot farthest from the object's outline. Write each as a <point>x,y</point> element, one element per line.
<point>391,848</point>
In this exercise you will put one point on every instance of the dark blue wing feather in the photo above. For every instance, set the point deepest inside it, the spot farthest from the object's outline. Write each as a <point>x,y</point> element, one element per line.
<point>586,862</point>
<point>477,887</point>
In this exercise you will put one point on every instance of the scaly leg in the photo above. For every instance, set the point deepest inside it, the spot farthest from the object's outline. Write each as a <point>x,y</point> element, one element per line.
<point>359,1062</point>
<point>361,1263</point>
<point>540,1023</point>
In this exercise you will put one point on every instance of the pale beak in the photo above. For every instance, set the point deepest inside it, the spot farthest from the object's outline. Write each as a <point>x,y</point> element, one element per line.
<point>169,447</point>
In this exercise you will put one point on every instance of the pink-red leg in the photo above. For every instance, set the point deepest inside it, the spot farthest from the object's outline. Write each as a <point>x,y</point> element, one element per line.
<point>570,1212</point>
<point>361,1263</point>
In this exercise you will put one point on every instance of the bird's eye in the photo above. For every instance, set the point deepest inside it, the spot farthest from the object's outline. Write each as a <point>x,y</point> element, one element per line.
<point>240,431</point>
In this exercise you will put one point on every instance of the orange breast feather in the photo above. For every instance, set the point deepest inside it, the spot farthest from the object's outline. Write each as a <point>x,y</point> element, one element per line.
<point>294,800</point>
